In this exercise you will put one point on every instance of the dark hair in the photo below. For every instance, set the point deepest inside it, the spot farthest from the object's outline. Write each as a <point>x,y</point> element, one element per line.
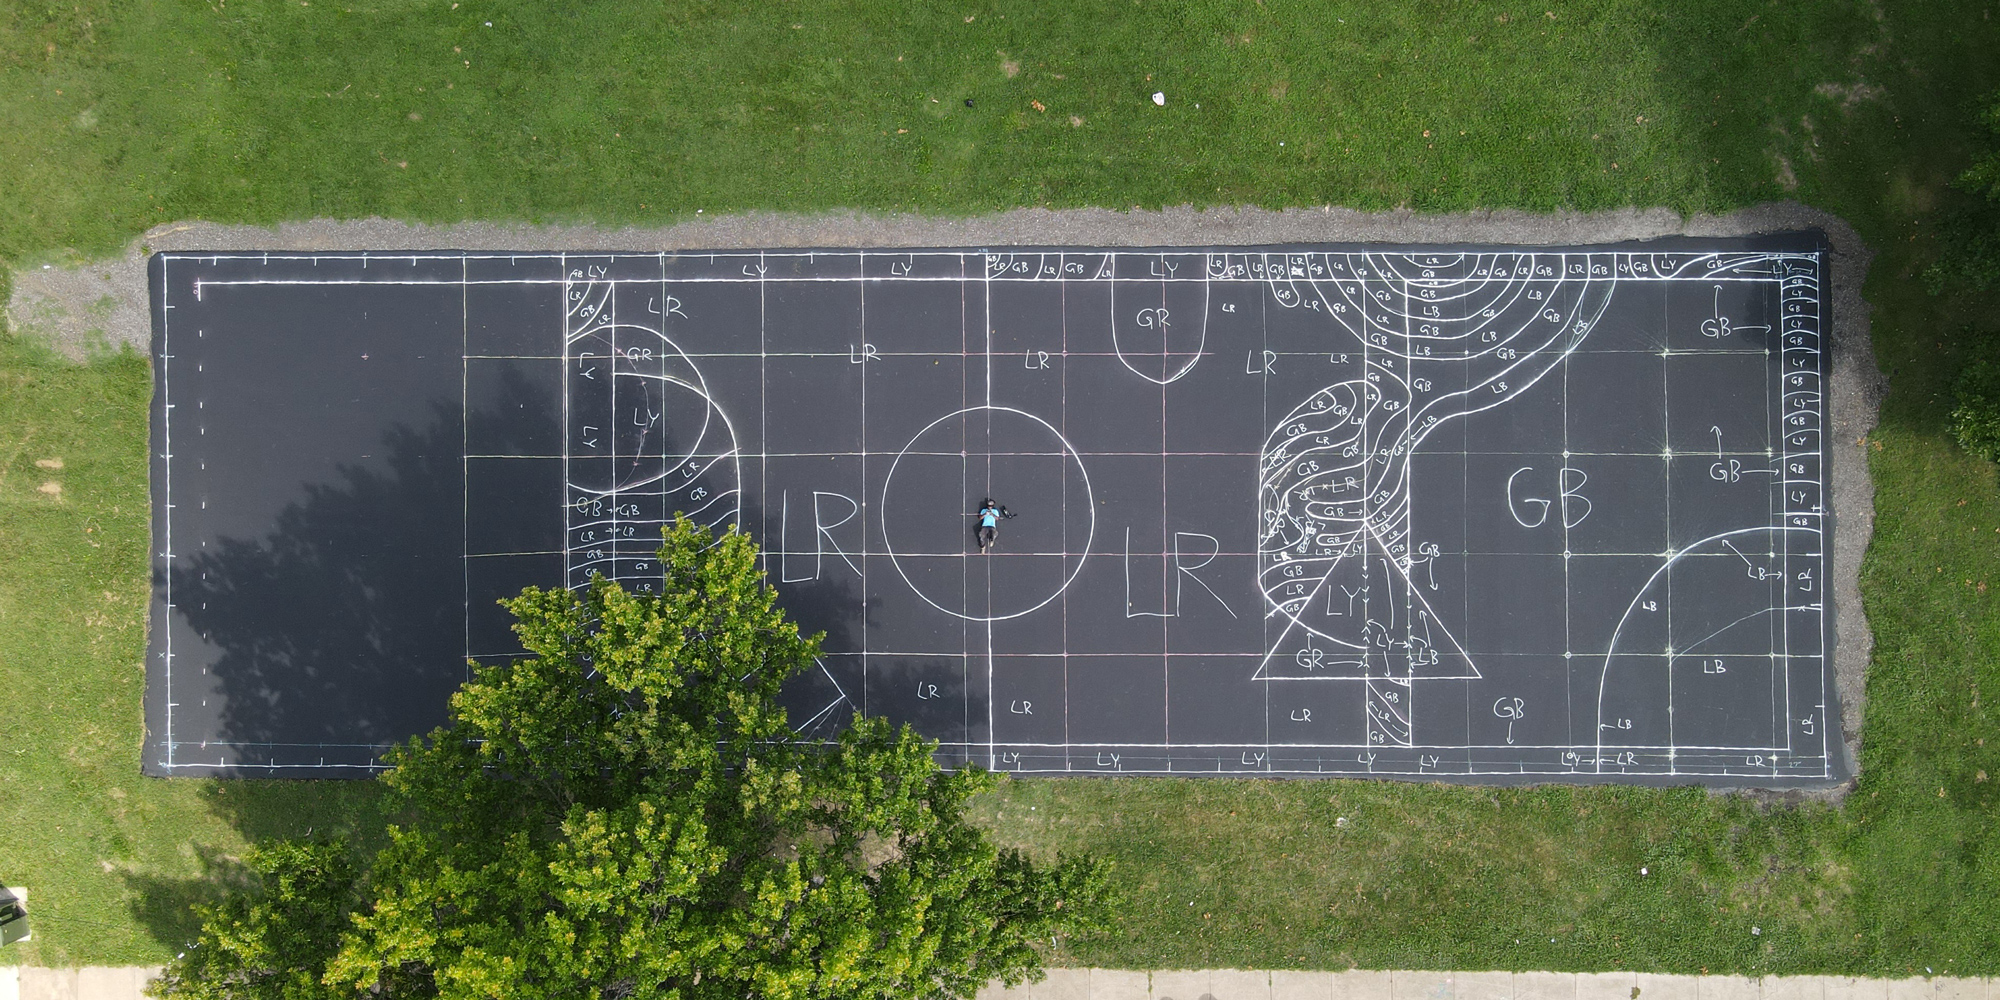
<point>988,502</point>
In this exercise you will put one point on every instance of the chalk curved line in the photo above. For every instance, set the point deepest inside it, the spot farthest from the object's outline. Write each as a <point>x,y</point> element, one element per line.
<point>1511,290</point>
<point>1359,535</point>
<point>1089,497</point>
<point>1576,327</point>
<point>707,417</point>
<point>1611,648</point>
<point>1408,425</point>
<point>594,294</point>
<point>710,412</point>
<point>699,388</point>
<point>1200,344</point>
<point>735,457</point>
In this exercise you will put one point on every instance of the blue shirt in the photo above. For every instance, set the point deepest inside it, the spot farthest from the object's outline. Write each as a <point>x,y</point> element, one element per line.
<point>988,517</point>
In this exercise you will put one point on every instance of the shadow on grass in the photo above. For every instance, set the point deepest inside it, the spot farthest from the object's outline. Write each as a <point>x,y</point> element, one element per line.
<point>167,906</point>
<point>263,811</point>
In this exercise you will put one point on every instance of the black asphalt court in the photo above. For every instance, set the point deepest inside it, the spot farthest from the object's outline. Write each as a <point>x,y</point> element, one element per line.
<point>1495,514</point>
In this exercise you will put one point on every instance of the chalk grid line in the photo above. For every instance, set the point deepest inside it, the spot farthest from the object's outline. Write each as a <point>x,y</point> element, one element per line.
<point>1009,267</point>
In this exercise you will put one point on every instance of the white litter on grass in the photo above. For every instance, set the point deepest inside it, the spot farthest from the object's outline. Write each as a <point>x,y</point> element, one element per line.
<point>1642,871</point>
<point>1160,98</point>
<point>1340,821</point>
<point>1756,931</point>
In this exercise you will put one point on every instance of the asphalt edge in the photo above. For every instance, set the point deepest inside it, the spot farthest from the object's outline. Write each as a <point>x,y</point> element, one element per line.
<point>104,305</point>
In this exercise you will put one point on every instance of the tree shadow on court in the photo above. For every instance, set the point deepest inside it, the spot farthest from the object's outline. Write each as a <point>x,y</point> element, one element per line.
<point>343,625</point>
<point>831,606</point>
<point>820,701</point>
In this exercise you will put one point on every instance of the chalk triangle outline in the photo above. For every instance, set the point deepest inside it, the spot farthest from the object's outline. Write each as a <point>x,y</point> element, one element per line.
<point>1435,627</point>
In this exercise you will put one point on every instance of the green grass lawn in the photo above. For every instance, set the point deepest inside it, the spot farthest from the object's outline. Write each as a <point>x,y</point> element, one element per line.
<point>117,116</point>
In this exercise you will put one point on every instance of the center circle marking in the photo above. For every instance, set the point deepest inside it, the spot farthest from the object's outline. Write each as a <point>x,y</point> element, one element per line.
<point>910,561</point>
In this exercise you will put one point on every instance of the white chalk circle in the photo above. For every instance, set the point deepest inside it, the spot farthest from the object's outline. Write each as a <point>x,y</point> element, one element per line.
<point>935,485</point>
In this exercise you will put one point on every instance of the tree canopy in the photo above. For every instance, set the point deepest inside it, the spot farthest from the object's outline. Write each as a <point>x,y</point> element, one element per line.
<point>1971,258</point>
<point>626,812</point>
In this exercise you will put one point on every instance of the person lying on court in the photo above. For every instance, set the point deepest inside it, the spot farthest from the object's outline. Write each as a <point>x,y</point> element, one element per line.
<point>989,521</point>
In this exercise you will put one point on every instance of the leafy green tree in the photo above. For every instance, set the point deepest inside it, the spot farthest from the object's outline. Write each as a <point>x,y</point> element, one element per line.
<point>1975,417</point>
<point>1973,233</point>
<point>272,944</point>
<point>627,813</point>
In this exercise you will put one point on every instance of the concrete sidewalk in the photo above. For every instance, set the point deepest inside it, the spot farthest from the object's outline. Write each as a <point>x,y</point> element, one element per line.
<point>126,983</point>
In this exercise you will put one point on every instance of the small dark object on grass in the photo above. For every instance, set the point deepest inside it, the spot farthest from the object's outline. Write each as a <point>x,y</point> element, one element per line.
<point>968,102</point>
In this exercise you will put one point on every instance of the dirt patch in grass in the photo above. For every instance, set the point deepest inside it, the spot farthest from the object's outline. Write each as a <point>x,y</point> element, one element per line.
<point>81,311</point>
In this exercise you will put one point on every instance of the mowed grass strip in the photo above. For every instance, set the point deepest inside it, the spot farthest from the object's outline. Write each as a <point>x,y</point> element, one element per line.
<point>125,116</point>
<point>117,117</point>
<point>1329,874</point>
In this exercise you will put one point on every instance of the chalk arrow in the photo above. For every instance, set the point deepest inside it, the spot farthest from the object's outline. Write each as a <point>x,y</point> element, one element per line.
<point>587,373</point>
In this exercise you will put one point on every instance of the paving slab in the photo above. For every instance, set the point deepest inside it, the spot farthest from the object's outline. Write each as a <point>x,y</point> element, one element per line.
<point>1420,984</point>
<point>91,983</point>
<point>1433,985</point>
<point>1656,987</point>
<point>1605,985</point>
<point>1288,984</point>
<point>1061,984</point>
<point>1482,985</point>
<point>1241,984</point>
<point>1849,988</point>
<point>1364,984</point>
<point>1544,986</point>
<point>1120,984</point>
<point>1181,984</point>
<point>1725,988</point>
<point>48,984</point>
<point>1793,988</point>
<point>1940,988</point>
<point>114,983</point>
